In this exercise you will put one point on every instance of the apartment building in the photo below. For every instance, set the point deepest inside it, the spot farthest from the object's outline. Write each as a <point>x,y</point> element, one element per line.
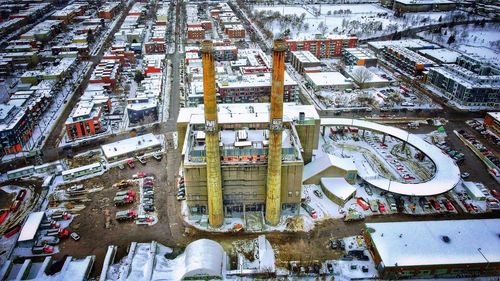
<point>322,46</point>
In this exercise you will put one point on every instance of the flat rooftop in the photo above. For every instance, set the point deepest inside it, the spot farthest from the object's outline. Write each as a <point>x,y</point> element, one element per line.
<point>328,79</point>
<point>255,138</point>
<point>441,55</point>
<point>231,113</point>
<point>424,2</point>
<point>406,43</point>
<point>421,242</point>
<point>305,57</point>
<point>360,53</point>
<point>130,145</point>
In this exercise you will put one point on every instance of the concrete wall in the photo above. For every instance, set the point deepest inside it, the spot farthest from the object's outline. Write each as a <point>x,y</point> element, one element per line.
<point>309,138</point>
<point>243,184</point>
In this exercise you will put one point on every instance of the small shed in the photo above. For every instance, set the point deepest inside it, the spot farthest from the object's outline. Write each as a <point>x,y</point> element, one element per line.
<point>338,190</point>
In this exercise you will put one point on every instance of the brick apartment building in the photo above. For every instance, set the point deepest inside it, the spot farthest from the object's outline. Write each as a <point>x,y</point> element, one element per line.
<point>109,10</point>
<point>323,46</point>
<point>196,33</point>
<point>235,31</point>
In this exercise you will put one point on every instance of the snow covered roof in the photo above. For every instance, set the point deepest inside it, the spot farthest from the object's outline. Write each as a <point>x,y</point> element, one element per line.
<point>338,187</point>
<point>494,115</point>
<point>126,146</point>
<point>441,55</point>
<point>407,43</point>
<point>421,242</point>
<point>30,226</point>
<point>230,113</point>
<point>81,168</point>
<point>373,78</point>
<point>332,78</point>
<point>324,162</point>
<point>424,2</point>
<point>203,257</point>
<point>447,174</point>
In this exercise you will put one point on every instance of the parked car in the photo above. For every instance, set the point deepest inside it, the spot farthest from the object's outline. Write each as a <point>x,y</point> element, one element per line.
<point>310,210</point>
<point>435,204</point>
<point>495,194</point>
<point>74,236</point>
<point>157,156</point>
<point>149,207</point>
<point>381,207</point>
<point>465,175</point>
<point>447,204</point>
<point>130,164</point>
<point>318,193</point>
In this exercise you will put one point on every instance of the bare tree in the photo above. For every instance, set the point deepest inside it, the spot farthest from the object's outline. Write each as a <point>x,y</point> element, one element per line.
<point>361,75</point>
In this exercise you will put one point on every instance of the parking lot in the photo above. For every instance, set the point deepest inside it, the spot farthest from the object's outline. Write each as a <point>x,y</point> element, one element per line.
<point>91,222</point>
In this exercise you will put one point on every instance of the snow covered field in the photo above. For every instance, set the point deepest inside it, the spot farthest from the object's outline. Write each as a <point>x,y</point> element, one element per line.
<point>364,20</point>
<point>472,39</point>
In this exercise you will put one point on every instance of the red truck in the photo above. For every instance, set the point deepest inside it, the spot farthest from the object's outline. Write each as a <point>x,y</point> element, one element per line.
<point>123,199</point>
<point>37,250</point>
<point>126,215</point>
<point>130,164</point>
<point>61,232</point>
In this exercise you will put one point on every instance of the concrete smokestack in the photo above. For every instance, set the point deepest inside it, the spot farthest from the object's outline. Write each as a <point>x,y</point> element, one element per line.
<point>214,182</point>
<point>273,195</point>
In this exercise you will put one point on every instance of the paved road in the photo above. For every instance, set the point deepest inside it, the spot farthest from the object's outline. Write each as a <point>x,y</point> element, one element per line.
<point>50,149</point>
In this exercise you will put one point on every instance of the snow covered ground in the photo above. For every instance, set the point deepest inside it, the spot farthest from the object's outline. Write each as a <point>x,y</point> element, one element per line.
<point>364,20</point>
<point>471,39</point>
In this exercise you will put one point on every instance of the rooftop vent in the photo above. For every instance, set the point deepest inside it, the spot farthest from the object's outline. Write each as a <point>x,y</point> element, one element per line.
<point>445,238</point>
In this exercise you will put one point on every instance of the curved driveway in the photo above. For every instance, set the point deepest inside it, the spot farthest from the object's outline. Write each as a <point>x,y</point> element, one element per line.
<point>447,174</point>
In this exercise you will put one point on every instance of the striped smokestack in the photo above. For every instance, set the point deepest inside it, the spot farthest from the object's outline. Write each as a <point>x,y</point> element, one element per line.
<point>273,194</point>
<point>214,182</point>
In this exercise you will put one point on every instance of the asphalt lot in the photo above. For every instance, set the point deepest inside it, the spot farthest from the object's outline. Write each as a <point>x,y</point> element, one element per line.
<point>90,223</point>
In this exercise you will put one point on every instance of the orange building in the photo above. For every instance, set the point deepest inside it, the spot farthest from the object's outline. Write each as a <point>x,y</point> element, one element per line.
<point>84,121</point>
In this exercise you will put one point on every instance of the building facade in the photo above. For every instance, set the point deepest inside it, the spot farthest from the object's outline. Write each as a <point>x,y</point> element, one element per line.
<point>84,121</point>
<point>465,87</point>
<point>244,154</point>
<point>323,46</point>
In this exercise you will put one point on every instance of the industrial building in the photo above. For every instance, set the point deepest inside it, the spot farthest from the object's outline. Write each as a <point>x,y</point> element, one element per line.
<point>202,259</point>
<point>434,249</point>
<point>245,157</point>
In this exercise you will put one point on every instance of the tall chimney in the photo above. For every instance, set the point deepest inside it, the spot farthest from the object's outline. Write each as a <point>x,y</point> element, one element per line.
<point>273,196</point>
<point>214,183</point>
